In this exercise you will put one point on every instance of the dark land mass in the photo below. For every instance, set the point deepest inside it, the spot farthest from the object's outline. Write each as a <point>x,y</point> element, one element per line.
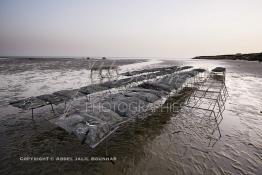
<point>248,57</point>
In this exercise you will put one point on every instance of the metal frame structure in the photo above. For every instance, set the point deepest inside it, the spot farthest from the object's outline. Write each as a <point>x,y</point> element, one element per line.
<point>100,69</point>
<point>209,95</point>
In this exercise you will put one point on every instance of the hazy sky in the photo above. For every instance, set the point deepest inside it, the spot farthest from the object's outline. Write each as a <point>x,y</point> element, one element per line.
<point>159,28</point>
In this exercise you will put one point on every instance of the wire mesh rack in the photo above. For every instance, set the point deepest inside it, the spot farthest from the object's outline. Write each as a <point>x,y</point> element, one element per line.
<point>207,101</point>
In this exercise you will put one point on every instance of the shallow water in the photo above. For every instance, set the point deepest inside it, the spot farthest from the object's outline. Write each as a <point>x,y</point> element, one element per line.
<point>28,81</point>
<point>167,143</point>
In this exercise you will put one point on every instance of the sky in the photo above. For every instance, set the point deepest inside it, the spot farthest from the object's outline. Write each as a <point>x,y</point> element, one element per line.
<point>130,28</point>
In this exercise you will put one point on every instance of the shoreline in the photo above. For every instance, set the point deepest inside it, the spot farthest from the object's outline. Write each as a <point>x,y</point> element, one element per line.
<point>239,56</point>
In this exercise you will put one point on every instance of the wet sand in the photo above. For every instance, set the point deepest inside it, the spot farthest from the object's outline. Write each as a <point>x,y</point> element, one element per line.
<point>162,144</point>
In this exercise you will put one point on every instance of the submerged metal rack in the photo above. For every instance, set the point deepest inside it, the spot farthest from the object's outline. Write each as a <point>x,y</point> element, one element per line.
<point>209,96</point>
<point>102,67</point>
<point>65,96</point>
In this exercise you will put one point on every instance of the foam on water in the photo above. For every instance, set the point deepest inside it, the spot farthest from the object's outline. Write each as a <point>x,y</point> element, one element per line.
<point>38,82</point>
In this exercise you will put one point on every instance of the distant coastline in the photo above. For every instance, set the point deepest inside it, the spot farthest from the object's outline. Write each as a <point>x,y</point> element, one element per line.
<point>239,56</point>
